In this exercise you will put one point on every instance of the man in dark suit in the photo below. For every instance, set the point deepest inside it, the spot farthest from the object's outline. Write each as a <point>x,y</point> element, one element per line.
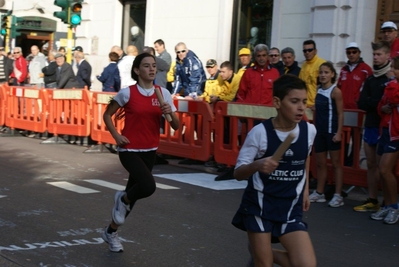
<point>5,66</point>
<point>49,73</point>
<point>84,70</point>
<point>65,76</point>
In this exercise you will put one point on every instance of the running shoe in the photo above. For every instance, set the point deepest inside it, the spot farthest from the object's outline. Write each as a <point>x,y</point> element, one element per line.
<point>367,206</point>
<point>336,201</point>
<point>392,216</point>
<point>120,209</point>
<point>380,215</point>
<point>112,240</point>
<point>316,197</point>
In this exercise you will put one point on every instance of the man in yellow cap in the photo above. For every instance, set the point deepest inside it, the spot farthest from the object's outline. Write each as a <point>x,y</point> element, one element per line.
<point>245,60</point>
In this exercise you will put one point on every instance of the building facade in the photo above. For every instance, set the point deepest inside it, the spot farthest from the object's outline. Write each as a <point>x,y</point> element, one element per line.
<point>212,28</point>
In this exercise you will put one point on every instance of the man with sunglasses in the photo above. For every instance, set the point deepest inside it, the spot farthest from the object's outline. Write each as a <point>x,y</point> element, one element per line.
<point>351,80</point>
<point>274,58</point>
<point>310,69</point>
<point>20,69</point>
<point>189,72</point>
<point>390,34</point>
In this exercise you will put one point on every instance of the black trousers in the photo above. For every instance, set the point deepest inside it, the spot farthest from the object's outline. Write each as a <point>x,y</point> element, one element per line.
<point>141,183</point>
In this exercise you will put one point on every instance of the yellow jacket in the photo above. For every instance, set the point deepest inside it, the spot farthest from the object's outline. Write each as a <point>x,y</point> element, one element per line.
<point>170,76</point>
<point>309,74</point>
<point>229,88</point>
<point>212,88</point>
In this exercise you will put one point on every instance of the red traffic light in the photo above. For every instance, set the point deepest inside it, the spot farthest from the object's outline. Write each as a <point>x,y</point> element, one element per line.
<point>77,7</point>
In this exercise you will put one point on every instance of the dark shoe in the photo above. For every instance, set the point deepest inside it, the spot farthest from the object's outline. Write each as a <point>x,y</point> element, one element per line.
<point>228,175</point>
<point>160,161</point>
<point>190,162</point>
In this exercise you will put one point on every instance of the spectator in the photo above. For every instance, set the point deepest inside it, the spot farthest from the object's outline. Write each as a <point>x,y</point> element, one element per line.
<point>50,71</point>
<point>351,80</point>
<point>290,64</point>
<point>231,82</point>
<point>36,64</point>
<point>20,69</point>
<point>388,148</point>
<point>119,51</point>
<point>5,66</point>
<point>256,85</point>
<point>212,86</point>
<point>189,73</point>
<point>329,121</point>
<point>245,60</point>
<point>84,70</point>
<point>370,96</point>
<point>310,69</point>
<point>162,67</point>
<point>61,50</point>
<point>170,76</point>
<point>125,67</point>
<point>390,31</point>
<point>74,64</point>
<point>110,77</point>
<point>159,46</point>
<point>65,76</point>
<point>274,58</point>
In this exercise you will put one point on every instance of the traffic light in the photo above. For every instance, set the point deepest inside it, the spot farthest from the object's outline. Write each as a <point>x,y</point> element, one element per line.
<point>75,13</point>
<point>15,26</point>
<point>63,14</point>
<point>4,24</point>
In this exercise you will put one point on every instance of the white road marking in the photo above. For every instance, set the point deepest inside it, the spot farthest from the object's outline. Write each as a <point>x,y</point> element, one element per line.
<point>205,180</point>
<point>2,196</point>
<point>106,184</point>
<point>166,187</point>
<point>73,187</point>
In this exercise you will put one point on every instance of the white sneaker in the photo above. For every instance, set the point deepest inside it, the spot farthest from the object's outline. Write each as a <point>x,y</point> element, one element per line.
<point>316,197</point>
<point>392,216</point>
<point>120,209</point>
<point>336,201</point>
<point>112,240</point>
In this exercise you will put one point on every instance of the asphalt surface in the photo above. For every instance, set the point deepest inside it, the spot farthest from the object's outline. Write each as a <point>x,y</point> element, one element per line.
<point>185,223</point>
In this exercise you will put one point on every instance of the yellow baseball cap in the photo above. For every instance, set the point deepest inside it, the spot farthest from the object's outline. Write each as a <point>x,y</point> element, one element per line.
<point>244,51</point>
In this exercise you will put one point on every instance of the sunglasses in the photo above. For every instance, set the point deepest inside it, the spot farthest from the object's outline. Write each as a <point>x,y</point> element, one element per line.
<point>181,51</point>
<point>387,30</point>
<point>273,55</point>
<point>307,50</point>
<point>351,52</point>
<point>16,52</point>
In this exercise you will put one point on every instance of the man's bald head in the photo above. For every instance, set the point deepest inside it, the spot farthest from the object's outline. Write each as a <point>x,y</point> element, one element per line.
<point>131,50</point>
<point>117,49</point>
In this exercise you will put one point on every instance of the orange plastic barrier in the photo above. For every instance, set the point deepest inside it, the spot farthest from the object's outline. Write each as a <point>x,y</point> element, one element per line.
<point>3,105</point>
<point>69,112</point>
<point>193,139</point>
<point>99,131</point>
<point>26,108</point>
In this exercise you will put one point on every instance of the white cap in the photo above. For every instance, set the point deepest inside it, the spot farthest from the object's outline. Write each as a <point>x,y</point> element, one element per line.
<point>389,24</point>
<point>352,45</point>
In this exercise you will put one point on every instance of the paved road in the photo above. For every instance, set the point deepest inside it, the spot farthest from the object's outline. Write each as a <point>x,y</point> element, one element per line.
<point>55,201</point>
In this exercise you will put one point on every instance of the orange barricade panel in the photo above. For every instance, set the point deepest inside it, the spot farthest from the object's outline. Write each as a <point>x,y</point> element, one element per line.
<point>99,131</point>
<point>26,108</point>
<point>193,139</point>
<point>69,112</point>
<point>3,104</point>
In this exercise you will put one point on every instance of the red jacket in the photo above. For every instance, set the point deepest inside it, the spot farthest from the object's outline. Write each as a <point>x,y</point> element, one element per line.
<point>351,83</point>
<point>391,96</point>
<point>256,85</point>
<point>395,48</point>
<point>22,67</point>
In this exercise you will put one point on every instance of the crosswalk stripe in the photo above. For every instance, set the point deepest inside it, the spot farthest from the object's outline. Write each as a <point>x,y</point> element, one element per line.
<point>2,196</point>
<point>73,187</point>
<point>106,184</point>
<point>165,186</point>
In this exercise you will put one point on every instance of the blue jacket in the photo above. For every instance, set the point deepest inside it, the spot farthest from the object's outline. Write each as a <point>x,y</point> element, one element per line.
<point>189,75</point>
<point>110,78</point>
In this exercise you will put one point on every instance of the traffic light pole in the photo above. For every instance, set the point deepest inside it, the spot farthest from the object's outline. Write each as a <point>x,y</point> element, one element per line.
<point>69,46</point>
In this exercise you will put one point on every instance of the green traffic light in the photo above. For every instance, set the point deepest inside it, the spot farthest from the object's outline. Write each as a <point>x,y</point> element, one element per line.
<point>75,19</point>
<point>3,32</point>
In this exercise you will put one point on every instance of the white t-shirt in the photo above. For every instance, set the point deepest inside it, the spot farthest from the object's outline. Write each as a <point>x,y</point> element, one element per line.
<point>255,144</point>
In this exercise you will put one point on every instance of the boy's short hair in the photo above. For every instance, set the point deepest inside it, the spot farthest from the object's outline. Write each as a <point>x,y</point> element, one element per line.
<point>285,83</point>
<point>384,45</point>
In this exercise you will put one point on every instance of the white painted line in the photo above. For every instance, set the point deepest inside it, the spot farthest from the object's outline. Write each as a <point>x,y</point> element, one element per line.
<point>2,196</point>
<point>205,180</point>
<point>73,187</point>
<point>167,187</point>
<point>106,184</point>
